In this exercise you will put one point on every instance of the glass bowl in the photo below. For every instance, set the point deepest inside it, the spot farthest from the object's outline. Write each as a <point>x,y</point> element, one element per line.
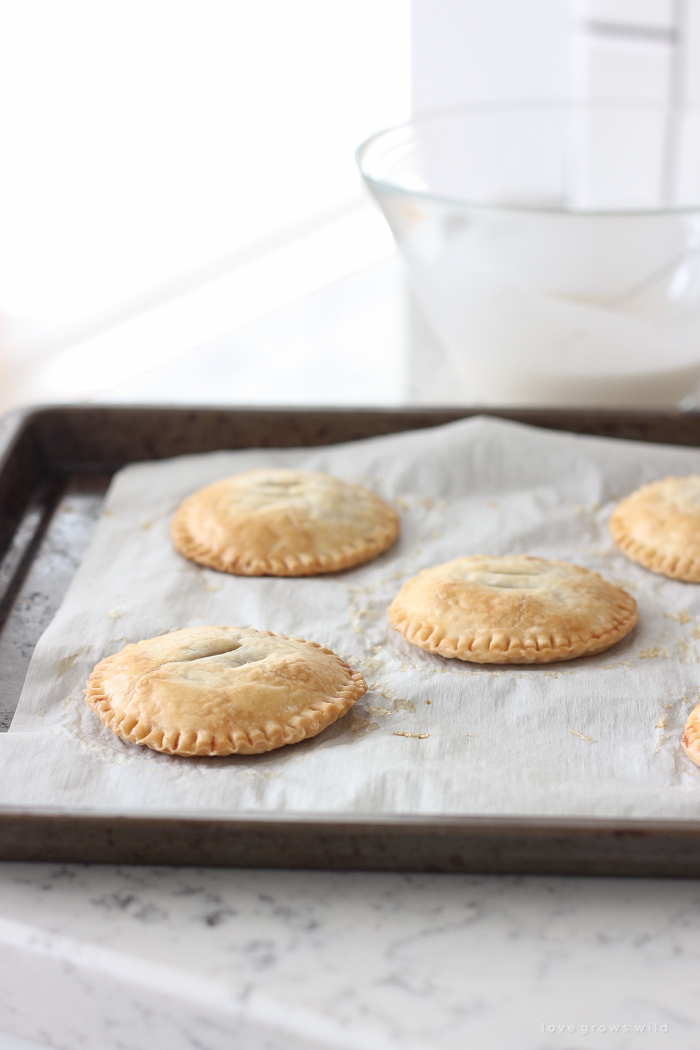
<point>553,248</point>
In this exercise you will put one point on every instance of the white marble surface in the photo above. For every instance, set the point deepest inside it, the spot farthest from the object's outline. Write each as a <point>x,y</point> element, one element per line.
<point>105,958</point>
<point>151,958</point>
<point>359,341</point>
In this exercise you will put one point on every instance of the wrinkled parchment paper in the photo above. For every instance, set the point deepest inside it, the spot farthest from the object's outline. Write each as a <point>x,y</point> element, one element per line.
<point>595,736</point>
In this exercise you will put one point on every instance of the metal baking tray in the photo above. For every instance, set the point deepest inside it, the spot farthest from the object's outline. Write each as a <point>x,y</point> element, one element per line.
<point>55,466</point>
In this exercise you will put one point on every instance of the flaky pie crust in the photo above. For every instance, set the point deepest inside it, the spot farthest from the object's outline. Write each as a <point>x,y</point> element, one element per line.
<point>513,609</point>
<point>221,691</point>
<point>279,522</point>
<point>658,526</point>
<point>691,736</point>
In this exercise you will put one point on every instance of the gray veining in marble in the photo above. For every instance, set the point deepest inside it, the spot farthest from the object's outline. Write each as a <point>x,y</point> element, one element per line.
<point>115,957</point>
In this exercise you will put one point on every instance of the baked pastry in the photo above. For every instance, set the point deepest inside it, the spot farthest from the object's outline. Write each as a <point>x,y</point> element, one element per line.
<point>659,527</point>
<point>221,691</point>
<point>691,736</point>
<point>283,523</point>
<point>513,609</point>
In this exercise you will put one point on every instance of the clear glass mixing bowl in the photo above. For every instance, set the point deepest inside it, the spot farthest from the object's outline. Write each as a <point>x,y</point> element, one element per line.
<point>553,248</point>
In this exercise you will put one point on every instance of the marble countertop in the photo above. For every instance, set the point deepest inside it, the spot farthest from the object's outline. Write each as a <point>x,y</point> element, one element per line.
<point>191,959</point>
<point>358,341</point>
<point>107,958</point>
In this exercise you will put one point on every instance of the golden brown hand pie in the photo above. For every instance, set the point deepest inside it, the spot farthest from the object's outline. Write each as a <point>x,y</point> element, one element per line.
<point>691,736</point>
<point>283,523</point>
<point>221,691</point>
<point>659,527</point>
<point>512,609</point>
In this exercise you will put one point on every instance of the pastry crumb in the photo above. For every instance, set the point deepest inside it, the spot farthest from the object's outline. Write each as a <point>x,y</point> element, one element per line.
<point>652,653</point>
<point>415,736</point>
<point>66,663</point>
<point>364,726</point>
<point>575,732</point>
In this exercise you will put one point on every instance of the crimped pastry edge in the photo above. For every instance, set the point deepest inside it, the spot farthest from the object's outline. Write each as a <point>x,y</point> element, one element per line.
<point>344,558</point>
<point>300,727</point>
<point>509,648</point>
<point>677,566</point>
<point>691,736</point>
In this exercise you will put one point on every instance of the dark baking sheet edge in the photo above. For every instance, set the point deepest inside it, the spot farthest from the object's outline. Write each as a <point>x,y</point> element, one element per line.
<point>41,447</point>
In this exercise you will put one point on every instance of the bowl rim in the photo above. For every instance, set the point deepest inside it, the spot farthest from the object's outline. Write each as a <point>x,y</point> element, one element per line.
<point>513,105</point>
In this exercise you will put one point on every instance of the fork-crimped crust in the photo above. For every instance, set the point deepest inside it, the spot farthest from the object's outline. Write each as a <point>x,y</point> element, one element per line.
<point>659,527</point>
<point>279,522</point>
<point>221,691</point>
<point>691,736</point>
<point>512,609</point>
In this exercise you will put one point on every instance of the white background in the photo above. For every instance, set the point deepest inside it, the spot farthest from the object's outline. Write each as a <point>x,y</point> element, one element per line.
<point>151,149</point>
<point>150,145</point>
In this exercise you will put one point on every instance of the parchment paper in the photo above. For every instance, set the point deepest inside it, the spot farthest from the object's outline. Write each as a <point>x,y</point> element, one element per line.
<point>595,736</point>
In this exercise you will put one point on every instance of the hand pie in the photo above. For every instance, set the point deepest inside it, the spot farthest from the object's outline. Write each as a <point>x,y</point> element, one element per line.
<point>659,527</point>
<point>512,609</point>
<point>283,523</point>
<point>221,691</point>
<point>691,736</point>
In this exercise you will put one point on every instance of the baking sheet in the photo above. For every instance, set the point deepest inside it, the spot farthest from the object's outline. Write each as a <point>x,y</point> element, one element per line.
<point>599,736</point>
